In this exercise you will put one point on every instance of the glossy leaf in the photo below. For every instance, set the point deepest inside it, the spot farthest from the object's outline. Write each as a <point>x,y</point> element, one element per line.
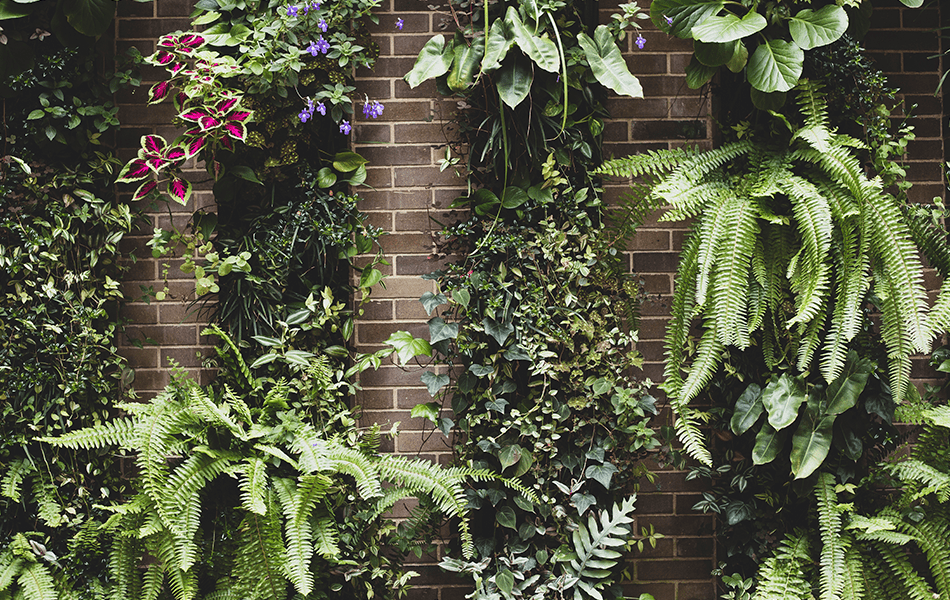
<point>466,63</point>
<point>740,59</point>
<point>729,27</point>
<point>768,443</point>
<point>434,59</point>
<point>683,14</point>
<point>499,42</point>
<point>514,80</point>
<point>499,331</point>
<point>440,330</point>
<point>714,54</point>
<point>748,409</point>
<point>434,382</point>
<point>843,392</point>
<point>427,410</point>
<point>814,28</point>
<point>345,162</point>
<point>811,442</point>
<point>698,74</point>
<point>775,66</point>
<point>607,63</point>
<point>510,455</point>
<point>542,51</point>
<point>407,347</point>
<point>506,517</point>
<point>90,17</point>
<point>782,399</point>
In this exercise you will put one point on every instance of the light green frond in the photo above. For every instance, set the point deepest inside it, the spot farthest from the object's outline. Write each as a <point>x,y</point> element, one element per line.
<point>809,337</point>
<point>899,574</point>
<point>813,216</point>
<point>833,543</point>
<point>689,199</point>
<point>13,478</point>
<point>728,306</point>
<point>594,547</point>
<point>37,583</point>
<point>715,227</point>
<point>357,465</point>
<point>325,537</point>
<point>899,346</point>
<point>811,101</point>
<point>203,406</point>
<point>298,501</point>
<point>852,285</point>
<point>260,556</point>
<point>232,358</point>
<point>648,163</point>
<point>677,331</point>
<point>312,450</point>
<point>153,580</point>
<point>781,580</point>
<point>10,565</point>
<point>853,577</point>
<point>162,546</point>
<point>124,559</point>
<point>114,432</point>
<point>253,485</point>
<point>938,319</point>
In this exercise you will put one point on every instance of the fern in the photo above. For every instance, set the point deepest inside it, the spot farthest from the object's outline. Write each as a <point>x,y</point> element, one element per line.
<point>253,485</point>
<point>259,559</point>
<point>780,577</point>
<point>13,478</point>
<point>357,465</point>
<point>37,583</point>
<point>594,556</point>
<point>833,544</point>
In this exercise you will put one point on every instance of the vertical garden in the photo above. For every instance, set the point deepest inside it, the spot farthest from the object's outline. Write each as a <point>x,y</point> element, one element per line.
<point>800,301</point>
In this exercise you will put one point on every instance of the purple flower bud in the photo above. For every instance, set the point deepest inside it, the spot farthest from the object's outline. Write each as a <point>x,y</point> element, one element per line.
<point>640,41</point>
<point>345,127</point>
<point>322,24</point>
<point>669,20</point>
<point>399,24</point>
<point>321,108</point>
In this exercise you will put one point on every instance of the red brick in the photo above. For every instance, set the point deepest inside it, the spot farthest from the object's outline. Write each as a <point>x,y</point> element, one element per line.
<point>673,570</point>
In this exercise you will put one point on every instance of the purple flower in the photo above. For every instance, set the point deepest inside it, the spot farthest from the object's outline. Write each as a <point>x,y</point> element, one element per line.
<point>321,108</point>
<point>315,5</point>
<point>399,24</point>
<point>322,24</point>
<point>321,45</point>
<point>345,127</point>
<point>669,20</point>
<point>304,116</point>
<point>640,41</point>
<point>292,10</point>
<point>372,110</point>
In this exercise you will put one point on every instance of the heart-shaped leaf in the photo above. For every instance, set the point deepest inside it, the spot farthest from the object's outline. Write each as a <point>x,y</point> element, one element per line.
<point>499,331</point>
<point>514,80</point>
<point>510,455</point>
<point>601,473</point>
<point>430,301</point>
<point>428,410</point>
<point>434,382</point>
<point>440,330</point>
<point>500,40</point>
<point>714,54</point>
<point>407,347</point>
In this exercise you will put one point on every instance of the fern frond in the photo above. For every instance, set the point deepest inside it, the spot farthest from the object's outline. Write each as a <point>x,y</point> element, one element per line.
<point>813,216</point>
<point>781,580</point>
<point>163,546</point>
<point>357,465</point>
<point>938,319</point>
<point>652,162</point>
<point>312,450</point>
<point>833,544</point>
<point>13,478</point>
<point>593,556</point>
<point>124,558</point>
<point>325,535</point>
<point>713,228</point>
<point>232,358</point>
<point>727,303</point>
<point>853,577</point>
<point>852,286</point>
<point>894,572</point>
<point>677,331</point>
<point>211,413</point>
<point>114,432</point>
<point>811,101</point>
<point>259,558</point>
<point>253,485</point>
<point>297,501</point>
<point>10,566</point>
<point>929,237</point>
<point>899,347</point>
<point>36,583</point>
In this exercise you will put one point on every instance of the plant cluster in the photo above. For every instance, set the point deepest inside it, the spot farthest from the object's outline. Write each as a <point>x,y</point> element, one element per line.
<point>533,330</point>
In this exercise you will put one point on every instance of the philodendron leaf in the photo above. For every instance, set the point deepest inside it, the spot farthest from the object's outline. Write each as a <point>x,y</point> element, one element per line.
<point>680,16</point>
<point>510,455</point>
<point>782,398</point>
<point>607,63</point>
<point>814,28</point>
<point>748,409</point>
<point>768,443</point>
<point>843,392</point>
<point>514,80</point>
<point>90,17</point>
<point>811,442</point>
<point>506,517</point>
<point>739,59</point>
<point>434,382</point>
<point>697,74</point>
<point>729,27</point>
<point>541,50</point>
<point>434,59</point>
<point>775,66</point>
<point>500,40</point>
<point>407,347</point>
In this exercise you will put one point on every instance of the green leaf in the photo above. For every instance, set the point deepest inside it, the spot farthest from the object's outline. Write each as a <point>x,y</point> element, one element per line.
<point>430,301</point>
<point>499,41</point>
<point>811,442</point>
<point>13,10</point>
<point>844,391</point>
<point>739,59</point>
<point>301,358</point>
<point>782,398</point>
<point>729,27</point>
<point>326,177</point>
<point>440,330</point>
<point>582,502</point>
<point>245,173</point>
<point>510,455</point>
<point>463,297</point>
<point>434,382</point>
<point>434,59</point>
<point>768,443</point>
<point>913,3</point>
<point>684,14</point>
<point>748,409</point>
<point>513,197</point>
<point>266,341</point>
<point>814,28</point>
<point>714,55</point>
<point>345,162</point>
<point>298,316</point>
<point>767,101</point>
<point>499,331</point>
<point>514,80</point>
<point>698,74</point>
<point>39,113</point>
<point>428,410</point>
<point>208,17</point>
<point>370,277</point>
<point>484,201</point>
<point>775,66</point>
<point>407,347</point>
<point>506,517</point>
<point>263,360</point>
<point>601,473</point>
<point>607,64</point>
<point>481,370</point>
<point>89,17</point>
<point>505,580</point>
<point>541,50</point>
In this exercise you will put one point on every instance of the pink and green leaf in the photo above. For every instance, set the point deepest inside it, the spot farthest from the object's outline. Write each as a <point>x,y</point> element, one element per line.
<point>175,153</point>
<point>161,58</point>
<point>191,41</point>
<point>145,190</point>
<point>236,130</point>
<point>159,92</point>
<point>239,115</point>
<point>154,144</point>
<point>225,105</point>
<point>134,170</point>
<point>194,115</point>
<point>179,189</point>
<point>193,145</point>
<point>208,122</point>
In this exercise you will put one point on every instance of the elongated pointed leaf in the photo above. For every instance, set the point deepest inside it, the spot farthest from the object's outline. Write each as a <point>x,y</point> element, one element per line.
<point>768,443</point>
<point>811,443</point>
<point>729,27</point>
<point>680,16</point>
<point>542,51</point>
<point>814,28</point>
<point>514,81</point>
<point>748,409</point>
<point>844,391</point>
<point>782,399</point>
<point>434,59</point>
<point>775,66</point>
<point>500,40</point>
<point>607,63</point>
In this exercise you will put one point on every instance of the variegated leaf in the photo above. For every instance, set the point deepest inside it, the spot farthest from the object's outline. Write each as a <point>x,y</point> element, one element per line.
<point>159,92</point>
<point>134,170</point>
<point>154,144</point>
<point>236,130</point>
<point>193,145</point>
<point>225,105</point>
<point>175,153</point>
<point>208,122</point>
<point>161,58</point>
<point>145,190</point>
<point>179,189</point>
<point>239,116</point>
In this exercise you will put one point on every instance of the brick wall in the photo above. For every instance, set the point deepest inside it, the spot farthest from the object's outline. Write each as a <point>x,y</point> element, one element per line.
<point>408,199</point>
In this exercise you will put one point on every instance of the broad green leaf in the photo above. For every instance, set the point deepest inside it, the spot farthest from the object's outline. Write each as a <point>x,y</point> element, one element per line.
<point>481,370</point>
<point>298,316</point>
<point>484,201</point>
<point>514,80</point>
<point>434,382</point>
<point>430,301</point>
<point>601,473</point>
<point>506,517</point>
<point>370,277</point>
<point>499,331</point>
<point>440,330</point>
<point>245,173</point>
<point>814,28</point>
<point>524,465</point>
<point>326,177</point>
<point>428,410</point>
<point>607,63</point>
<point>301,358</point>
<point>767,101</point>
<point>913,3</point>
<point>683,15</point>
<point>729,27</point>
<point>463,297</point>
<point>739,59</point>
<point>811,442</point>
<point>768,443</point>
<point>714,54</point>
<point>843,392</point>
<point>782,398</point>
<point>13,10</point>
<point>434,59</point>
<point>499,41</point>
<point>513,197</point>
<point>510,455</point>
<point>407,347</point>
<point>541,50</point>
<point>345,162</point>
<point>505,580</point>
<point>207,18</point>
<point>468,59</point>
<point>698,74</point>
<point>748,409</point>
<point>775,66</point>
<point>89,17</point>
